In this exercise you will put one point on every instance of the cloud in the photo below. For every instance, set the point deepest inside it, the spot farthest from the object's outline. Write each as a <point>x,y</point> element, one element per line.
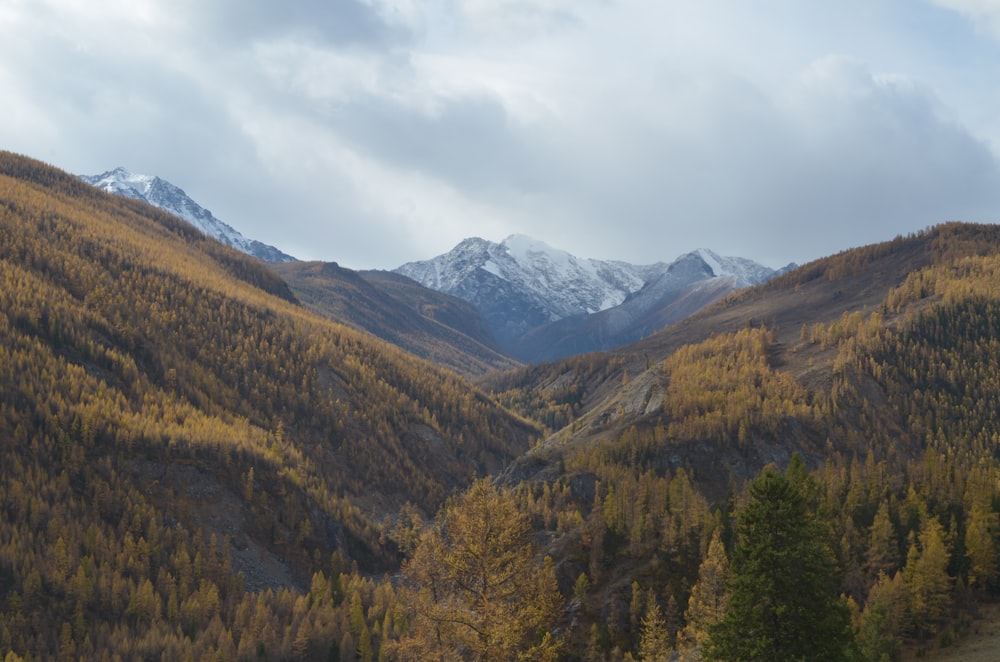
<point>333,22</point>
<point>375,132</point>
<point>985,14</point>
<point>517,19</point>
<point>834,158</point>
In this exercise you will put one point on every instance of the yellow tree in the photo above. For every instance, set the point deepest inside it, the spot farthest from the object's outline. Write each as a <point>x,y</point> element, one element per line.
<point>707,604</point>
<point>980,546</point>
<point>926,576</point>
<point>654,643</point>
<point>475,587</point>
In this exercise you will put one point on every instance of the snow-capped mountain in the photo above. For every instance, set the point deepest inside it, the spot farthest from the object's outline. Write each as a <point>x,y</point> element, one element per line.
<point>161,193</point>
<point>522,283</point>
<point>745,272</point>
<point>543,303</point>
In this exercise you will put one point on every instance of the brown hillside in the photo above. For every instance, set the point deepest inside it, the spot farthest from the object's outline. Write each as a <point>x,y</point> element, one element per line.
<point>434,326</point>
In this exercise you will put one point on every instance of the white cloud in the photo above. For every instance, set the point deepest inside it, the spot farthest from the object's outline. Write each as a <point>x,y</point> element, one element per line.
<point>370,131</point>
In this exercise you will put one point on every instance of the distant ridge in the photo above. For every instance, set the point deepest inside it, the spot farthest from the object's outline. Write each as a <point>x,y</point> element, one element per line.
<point>543,303</point>
<point>168,197</point>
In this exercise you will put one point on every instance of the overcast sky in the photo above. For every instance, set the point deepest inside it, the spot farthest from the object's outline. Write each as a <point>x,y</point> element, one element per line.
<point>375,132</point>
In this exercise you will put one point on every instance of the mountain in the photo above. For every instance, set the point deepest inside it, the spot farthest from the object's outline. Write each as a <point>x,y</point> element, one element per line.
<point>187,450</point>
<point>438,327</point>
<point>869,377</point>
<point>161,193</point>
<point>681,288</point>
<point>543,303</point>
<point>196,466</point>
<point>629,386</point>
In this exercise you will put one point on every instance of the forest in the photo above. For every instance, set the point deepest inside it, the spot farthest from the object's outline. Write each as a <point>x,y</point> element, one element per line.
<point>195,466</point>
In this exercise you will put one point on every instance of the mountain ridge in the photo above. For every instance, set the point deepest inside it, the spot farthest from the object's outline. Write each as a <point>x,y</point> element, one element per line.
<point>157,352</point>
<point>544,303</point>
<point>162,194</point>
<point>445,330</point>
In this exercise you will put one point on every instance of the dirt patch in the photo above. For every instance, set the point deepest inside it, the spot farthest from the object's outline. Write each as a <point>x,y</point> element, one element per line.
<point>215,509</point>
<point>980,643</point>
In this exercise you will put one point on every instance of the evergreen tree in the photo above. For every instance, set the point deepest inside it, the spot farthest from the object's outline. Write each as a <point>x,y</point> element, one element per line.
<point>783,602</point>
<point>883,548</point>
<point>876,637</point>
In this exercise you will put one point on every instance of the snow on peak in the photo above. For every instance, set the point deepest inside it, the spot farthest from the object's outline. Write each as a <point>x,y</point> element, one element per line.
<point>522,285</point>
<point>164,195</point>
<point>745,272</point>
<point>713,261</point>
<point>556,282</point>
<point>552,280</point>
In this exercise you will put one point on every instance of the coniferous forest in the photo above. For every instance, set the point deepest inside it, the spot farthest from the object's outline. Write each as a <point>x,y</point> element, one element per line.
<point>195,466</point>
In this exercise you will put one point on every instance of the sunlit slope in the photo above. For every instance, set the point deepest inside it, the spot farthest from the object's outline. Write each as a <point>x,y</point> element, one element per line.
<point>706,368</point>
<point>126,336</point>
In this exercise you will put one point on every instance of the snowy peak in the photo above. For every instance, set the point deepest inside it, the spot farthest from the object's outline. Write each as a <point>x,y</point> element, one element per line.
<point>557,283</point>
<point>521,285</point>
<point>122,182</point>
<point>745,272</point>
<point>161,193</point>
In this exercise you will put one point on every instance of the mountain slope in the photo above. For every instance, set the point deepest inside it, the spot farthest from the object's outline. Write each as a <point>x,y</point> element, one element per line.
<point>543,303</point>
<point>688,284</point>
<point>877,367</point>
<point>521,283</point>
<point>626,386</point>
<point>177,435</point>
<point>432,325</point>
<point>161,193</point>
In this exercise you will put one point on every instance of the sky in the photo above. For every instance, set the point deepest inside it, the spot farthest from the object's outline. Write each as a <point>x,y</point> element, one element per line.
<point>377,132</point>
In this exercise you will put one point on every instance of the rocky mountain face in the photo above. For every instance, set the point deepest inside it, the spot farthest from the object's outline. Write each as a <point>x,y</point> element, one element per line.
<point>161,193</point>
<point>543,303</point>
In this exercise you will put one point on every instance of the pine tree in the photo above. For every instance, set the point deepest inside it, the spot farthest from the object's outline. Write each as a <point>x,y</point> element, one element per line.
<point>883,548</point>
<point>877,640</point>
<point>783,601</point>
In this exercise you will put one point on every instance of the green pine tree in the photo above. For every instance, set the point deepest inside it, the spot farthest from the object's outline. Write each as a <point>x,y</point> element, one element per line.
<point>783,601</point>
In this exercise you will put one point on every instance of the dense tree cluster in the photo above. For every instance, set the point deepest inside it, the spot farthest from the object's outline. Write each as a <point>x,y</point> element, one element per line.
<point>130,344</point>
<point>136,355</point>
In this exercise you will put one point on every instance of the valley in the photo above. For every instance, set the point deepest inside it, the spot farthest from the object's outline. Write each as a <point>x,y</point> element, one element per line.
<point>209,456</point>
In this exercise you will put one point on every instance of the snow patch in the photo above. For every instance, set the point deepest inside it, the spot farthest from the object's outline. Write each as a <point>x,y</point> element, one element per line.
<point>164,195</point>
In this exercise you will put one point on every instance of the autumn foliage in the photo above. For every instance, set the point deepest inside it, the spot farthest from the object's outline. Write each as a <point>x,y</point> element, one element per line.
<point>193,466</point>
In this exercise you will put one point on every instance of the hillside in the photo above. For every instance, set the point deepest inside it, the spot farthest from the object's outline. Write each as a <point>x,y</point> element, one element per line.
<point>197,466</point>
<point>179,431</point>
<point>442,329</point>
<point>877,366</point>
<point>819,293</point>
